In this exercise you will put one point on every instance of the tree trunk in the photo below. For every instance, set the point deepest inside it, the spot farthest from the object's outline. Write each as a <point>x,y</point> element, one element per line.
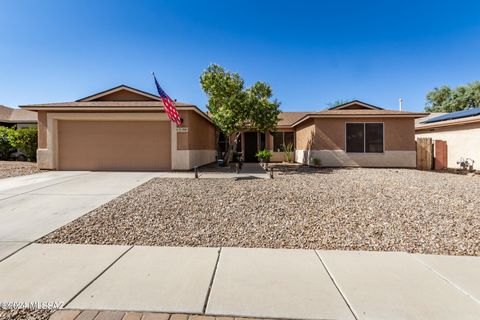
<point>232,145</point>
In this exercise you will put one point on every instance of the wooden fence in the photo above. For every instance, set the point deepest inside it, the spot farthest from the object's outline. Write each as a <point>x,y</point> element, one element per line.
<point>424,153</point>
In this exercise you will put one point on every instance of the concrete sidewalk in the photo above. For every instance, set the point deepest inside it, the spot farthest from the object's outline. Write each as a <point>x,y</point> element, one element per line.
<point>242,282</point>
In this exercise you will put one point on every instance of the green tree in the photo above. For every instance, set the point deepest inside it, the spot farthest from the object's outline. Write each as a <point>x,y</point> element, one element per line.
<point>445,99</point>
<point>26,141</point>
<point>338,102</point>
<point>234,108</point>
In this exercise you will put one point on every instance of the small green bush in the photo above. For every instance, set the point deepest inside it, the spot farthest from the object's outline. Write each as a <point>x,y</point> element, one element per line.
<point>7,137</point>
<point>316,161</point>
<point>26,141</point>
<point>264,155</point>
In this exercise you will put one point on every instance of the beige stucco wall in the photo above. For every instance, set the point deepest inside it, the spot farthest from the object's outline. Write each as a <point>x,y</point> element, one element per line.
<point>329,134</point>
<point>305,134</point>
<point>42,129</point>
<point>181,159</point>
<point>340,158</point>
<point>462,142</point>
<point>324,138</point>
<point>201,133</point>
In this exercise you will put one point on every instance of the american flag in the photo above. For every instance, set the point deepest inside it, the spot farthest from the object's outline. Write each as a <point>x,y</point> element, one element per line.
<point>169,104</point>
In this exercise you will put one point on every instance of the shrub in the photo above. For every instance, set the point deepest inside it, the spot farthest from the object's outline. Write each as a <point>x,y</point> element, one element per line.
<point>7,137</point>
<point>316,161</point>
<point>288,151</point>
<point>26,141</point>
<point>264,155</point>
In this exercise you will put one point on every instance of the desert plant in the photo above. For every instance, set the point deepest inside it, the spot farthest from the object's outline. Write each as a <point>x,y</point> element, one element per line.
<point>288,152</point>
<point>264,155</point>
<point>7,137</point>
<point>26,141</point>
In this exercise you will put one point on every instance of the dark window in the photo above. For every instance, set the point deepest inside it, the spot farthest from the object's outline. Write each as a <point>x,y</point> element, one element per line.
<point>288,138</point>
<point>222,143</point>
<point>262,141</point>
<point>355,140</point>
<point>281,139</point>
<point>364,137</point>
<point>239,144</point>
<point>374,137</point>
<point>277,141</point>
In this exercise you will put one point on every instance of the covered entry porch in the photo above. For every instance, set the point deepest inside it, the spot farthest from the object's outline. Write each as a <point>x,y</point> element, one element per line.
<point>250,142</point>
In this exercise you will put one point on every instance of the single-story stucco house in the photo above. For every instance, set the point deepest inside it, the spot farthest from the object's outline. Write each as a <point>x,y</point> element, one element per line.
<point>17,118</point>
<point>352,134</point>
<point>126,129</point>
<point>121,129</point>
<point>460,130</point>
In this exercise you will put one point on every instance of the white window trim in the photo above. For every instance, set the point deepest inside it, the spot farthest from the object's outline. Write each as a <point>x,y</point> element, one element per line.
<point>364,137</point>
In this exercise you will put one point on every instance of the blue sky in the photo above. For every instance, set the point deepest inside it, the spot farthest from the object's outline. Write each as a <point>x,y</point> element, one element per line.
<point>311,52</point>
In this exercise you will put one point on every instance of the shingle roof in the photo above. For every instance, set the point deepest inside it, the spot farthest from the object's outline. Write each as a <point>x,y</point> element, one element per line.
<point>12,115</point>
<point>370,112</point>
<point>118,88</point>
<point>113,104</point>
<point>94,101</point>
<point>355,113</point>
<point>355,102</point>
<point>289,118</point>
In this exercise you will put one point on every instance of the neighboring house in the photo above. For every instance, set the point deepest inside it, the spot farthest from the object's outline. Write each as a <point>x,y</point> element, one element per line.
<point>122,129</point>
<point>18,118</point>
<point>351,134</point>
<point>126,129</point>
<point>461,131</point>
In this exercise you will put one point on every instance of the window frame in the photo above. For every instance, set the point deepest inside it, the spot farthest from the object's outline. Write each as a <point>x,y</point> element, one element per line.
<point>283,140</point>
<point>365,136</point>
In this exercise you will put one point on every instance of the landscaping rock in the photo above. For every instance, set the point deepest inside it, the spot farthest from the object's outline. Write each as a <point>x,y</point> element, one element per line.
<point>17,168</point>
<point>25,314</point>
<point>344,209</point>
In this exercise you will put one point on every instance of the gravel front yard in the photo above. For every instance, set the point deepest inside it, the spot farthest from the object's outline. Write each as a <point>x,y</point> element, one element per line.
<point>25,314</point>
<point>347,209</point>
<point>17,168</point>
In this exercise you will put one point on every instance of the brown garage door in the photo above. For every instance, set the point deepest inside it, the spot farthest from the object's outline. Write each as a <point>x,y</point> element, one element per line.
<point>114,145</point>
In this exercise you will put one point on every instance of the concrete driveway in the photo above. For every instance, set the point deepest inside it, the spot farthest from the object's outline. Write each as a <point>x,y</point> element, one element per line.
<point>35,205</point>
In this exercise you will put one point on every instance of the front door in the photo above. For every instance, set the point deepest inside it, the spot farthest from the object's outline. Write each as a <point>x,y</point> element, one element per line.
<point>251,147</point>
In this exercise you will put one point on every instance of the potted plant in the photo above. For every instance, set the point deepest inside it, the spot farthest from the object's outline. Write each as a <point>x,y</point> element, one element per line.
<point>264,157</point>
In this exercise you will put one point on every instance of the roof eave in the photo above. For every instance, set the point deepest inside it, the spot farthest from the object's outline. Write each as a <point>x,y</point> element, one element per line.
<point>446,124</point>
<point>313,116</point>
<point>37,108</point>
